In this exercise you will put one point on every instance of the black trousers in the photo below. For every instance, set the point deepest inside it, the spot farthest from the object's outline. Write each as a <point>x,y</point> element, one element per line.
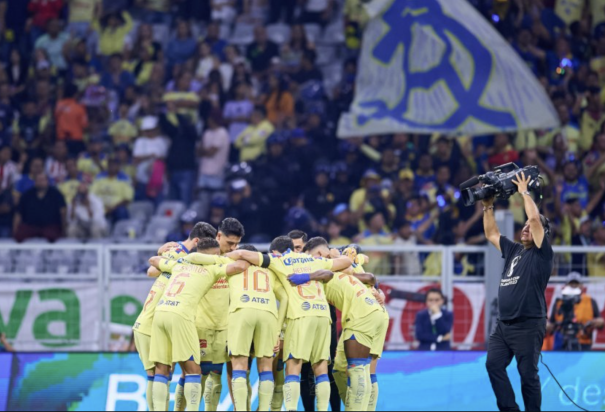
<point>522,340</point>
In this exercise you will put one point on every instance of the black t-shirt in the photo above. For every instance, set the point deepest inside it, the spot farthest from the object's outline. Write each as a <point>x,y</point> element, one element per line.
<point>524,280</point>
<point>42,212</point>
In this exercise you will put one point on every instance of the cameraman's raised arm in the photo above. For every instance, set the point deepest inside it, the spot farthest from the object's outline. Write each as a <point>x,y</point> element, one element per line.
<point>531,209</point>
<point>492,233</point>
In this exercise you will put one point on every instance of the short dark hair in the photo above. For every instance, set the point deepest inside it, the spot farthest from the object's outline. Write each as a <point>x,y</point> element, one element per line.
<point>298,234</point>
<point>70,90</point>
<point>232,227</point>
<point>207,244</point>
<point>315,243</point>
<point>203,230</point>
<point>367,218</point>
<point>281,244</point>
<point>435,290</point>
<point>261,109</point>
<point>248,247</point>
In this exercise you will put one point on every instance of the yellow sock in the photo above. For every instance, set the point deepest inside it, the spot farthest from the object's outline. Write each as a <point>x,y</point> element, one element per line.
<point>179,396</point>
<point>240,390</point>
<point>341,382</point>
<point>149,395</point>
<point>358,385</point>
<point>323,392</point>
<point>193,392</point>
<point>212,391</point>
<point>265,391</point>
<point>375,392</point>
<point>292,392</point>
<point>366,400</point>
<point>160,391</point>
<point>278,392</point>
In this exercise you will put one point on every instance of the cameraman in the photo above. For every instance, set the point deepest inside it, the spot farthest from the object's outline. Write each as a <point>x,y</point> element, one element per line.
<point>585,313</point>
<point>522,305</point>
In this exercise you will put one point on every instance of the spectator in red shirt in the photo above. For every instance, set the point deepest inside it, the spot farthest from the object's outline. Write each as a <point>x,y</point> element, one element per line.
<point>42,12</point>
<point>503,152</point>
<point>72,121</point>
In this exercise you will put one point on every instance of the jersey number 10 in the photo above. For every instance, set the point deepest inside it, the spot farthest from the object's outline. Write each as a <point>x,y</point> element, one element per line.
<point>256,276</point>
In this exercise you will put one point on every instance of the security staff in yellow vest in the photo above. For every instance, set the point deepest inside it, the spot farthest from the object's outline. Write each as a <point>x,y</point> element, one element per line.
<point>586,314</point>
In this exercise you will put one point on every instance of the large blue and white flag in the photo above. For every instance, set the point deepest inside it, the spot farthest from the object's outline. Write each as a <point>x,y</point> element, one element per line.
<point>438,66</point>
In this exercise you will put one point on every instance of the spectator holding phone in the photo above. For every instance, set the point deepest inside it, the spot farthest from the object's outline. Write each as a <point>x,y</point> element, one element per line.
<point>434,324</point>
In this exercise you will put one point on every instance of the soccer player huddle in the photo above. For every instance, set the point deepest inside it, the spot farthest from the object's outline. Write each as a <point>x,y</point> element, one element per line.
<point>216,302</point>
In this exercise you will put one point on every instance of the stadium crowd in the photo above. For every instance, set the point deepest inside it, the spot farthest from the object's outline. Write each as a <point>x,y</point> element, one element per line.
<point>231,107</point>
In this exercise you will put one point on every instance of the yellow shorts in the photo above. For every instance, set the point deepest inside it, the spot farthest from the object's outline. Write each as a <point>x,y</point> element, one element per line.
<point>173,340</point>
<point>379,342</point>
<point>370,332</point>
<point>308,339</point>
<point>212,346</point>
<point>252,326</point>
<point>143,344</point>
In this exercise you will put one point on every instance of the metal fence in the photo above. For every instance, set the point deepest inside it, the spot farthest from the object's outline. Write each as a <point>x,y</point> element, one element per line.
<point>86,297</point>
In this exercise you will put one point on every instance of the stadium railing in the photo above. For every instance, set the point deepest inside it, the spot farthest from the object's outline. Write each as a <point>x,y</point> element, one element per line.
<point>72,297</point>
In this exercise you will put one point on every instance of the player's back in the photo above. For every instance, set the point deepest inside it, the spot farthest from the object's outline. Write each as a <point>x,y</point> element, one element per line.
<point>144,322</point>
<point>308,299</point>
<point>189,283</point>
<point>213,309</point>
<point>351,297</point>
<point>254,289</point>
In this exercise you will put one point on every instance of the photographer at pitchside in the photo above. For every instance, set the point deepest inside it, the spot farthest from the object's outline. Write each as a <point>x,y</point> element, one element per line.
<point>521,326</point>
<point>574,318</point>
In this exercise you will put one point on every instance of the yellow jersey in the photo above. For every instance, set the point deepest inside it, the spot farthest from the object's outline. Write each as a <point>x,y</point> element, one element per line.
<point>145,319</point>
<point>358,268</point>
<point>188,285</point>
<point>254,289</point>
<point>351,297</point>
<point>308,300</point>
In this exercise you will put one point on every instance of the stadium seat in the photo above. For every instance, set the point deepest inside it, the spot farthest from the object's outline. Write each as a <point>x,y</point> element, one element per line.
<point>333,34</point>
<point>313,32</point>
<point>279,33</point>
<point>171,209</point>
<point>141,210</point>
<point>325,55</point>
<point>159,228</point>
<point>332,77</point>
<point>243,34</point>
<point>128,229</point>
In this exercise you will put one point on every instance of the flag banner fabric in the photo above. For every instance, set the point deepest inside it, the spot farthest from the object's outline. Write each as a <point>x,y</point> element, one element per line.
<point>437,66</point>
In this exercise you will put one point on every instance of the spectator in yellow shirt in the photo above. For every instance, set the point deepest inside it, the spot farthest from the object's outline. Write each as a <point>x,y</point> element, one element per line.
<point>113,30</point>
<point>94,161</point>
<point>69,187</point>
<point>123,131</point>
<point>115,190</point>
<point>370,198</point>
<point>596,261</point>
<point>81,15</point>
<point>186,101</point>
<point>252,142</point>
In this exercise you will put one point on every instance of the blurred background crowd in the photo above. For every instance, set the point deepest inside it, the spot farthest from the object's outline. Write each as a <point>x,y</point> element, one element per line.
<point>200,110</point>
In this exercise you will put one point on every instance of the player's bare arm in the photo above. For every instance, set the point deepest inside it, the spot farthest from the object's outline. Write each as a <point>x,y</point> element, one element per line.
<point>153,272</point>
<point>366,278</point>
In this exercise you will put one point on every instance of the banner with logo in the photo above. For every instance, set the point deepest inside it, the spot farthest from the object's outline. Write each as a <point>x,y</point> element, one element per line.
<point>60,316</point>
<point>469,313</point>
<point>414,381</point>
<point>437,66</point>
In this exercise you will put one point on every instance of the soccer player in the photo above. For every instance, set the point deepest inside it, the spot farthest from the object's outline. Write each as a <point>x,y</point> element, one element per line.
<point>299,238</point>
<point>308,333</point>
<point>361,321</point>
<point>254,321</point>
<point>143,325</point>
<point>340,362</point>
<point>174,336</point>
<point>212,320</point>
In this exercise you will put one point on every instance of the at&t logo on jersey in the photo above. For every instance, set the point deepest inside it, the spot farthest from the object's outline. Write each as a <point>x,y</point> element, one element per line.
<point>245,299</point>
<point>262,301</point>
<point>370,301</point>
<point>306,306</point>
